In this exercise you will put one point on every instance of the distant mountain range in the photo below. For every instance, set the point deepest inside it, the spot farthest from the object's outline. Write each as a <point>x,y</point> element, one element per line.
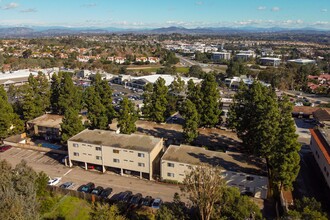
<point>6,32</point>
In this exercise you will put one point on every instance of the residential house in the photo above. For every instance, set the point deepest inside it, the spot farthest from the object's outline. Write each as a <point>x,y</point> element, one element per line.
<point>246,173</point>
<point>132,154</point>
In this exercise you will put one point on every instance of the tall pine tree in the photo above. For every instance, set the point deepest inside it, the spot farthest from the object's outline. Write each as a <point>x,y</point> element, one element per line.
<point>71,124</point>
<point>190,126</point>
<point>147,100</point>
<point>210,114</point>
<point>159,101</point>
<point>127,117</point>
<point>9,121</point>
<point>55,92</point>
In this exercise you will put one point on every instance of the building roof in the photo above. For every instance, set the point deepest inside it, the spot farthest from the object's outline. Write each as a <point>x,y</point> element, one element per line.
<point>48,120</point>
<point>106,138</point>
<point>270,58</point>
<point>231,161</point>
<point>322,138</point>
<point>321,115</point>
<point>302,61</point>
<point>168,78</point>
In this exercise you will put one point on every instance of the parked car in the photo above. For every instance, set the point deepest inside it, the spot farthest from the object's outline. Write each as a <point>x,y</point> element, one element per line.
<point>136,199</point>
<point>147,201</point>
<point>4,148</point>
<point>157,203</point>
<point>125,196</point>
<point>106,192</point>
<point>97,191</point>
<point>67,185</point>
<point>87,188</point>
<point>53,182</point>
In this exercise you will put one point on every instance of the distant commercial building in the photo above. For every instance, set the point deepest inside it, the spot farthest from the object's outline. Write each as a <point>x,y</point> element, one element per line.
<point>216,56</point>
<point>270,61</point>
<point>238,170</point>
<point>302,61</point>
<point>246,54</point>
<point>133,154</point>
<point>320,146</point>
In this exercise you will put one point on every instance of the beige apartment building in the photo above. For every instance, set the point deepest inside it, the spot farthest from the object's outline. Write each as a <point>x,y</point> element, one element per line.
<point>239,171</point>
<point>320,146</point>
<point>131,154</point>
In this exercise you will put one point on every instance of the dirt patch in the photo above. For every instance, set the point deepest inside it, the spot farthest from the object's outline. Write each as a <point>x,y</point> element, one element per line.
<point>212,138</point>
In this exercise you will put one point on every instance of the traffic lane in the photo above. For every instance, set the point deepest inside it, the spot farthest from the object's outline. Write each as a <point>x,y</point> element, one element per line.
<point>42,162</point>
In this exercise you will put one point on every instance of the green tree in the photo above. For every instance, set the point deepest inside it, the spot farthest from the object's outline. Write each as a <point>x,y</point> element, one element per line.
<point>97,113</point>
<point>71,124</point>
<point>190,126</point>
<point>285,159</point>
<point>177,86</point>
<point>172,210</point>
<point>70,95</point>
<point>159,101</point>
<point>106,212</point>
<point>194,94</point>
<point>55,91</point>
<point>147,100</point>
<point>210,114</point>
<point>255,116</point>
<point>204,187</point>
<point>235,206</point>
<point>127,117</point>
<point>195,71</point>
<point>307,208</point>
<point>9,121</point>
<point>36,96</point>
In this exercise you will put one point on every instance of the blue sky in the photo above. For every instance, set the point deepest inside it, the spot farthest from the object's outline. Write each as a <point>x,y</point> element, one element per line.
<point>164,13</point>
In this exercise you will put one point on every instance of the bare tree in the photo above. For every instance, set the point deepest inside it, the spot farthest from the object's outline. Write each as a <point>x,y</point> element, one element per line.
<point>204,187</point>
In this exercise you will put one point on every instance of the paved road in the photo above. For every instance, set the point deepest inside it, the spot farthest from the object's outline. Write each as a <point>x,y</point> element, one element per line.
<point>49,163</point>
<point>312,97</point>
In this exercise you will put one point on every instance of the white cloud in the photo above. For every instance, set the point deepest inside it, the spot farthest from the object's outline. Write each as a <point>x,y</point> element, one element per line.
<point>275,8</point>
<point>324,10</point>
<point>90,5</point>
<point>199,3</point>
<point>261,8</point>
<point>11,5</point>
<point>29,10</point>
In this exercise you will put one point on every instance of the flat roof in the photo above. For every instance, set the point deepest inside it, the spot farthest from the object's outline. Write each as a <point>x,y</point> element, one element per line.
<point>231,161</point>
<point>48,120</point>
<point>106,138</point>
<point>270,58</point>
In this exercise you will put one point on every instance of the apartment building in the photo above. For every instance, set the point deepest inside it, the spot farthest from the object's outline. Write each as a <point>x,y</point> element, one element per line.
<point>247,174</point>
<point>46,126</point>
<point>131,154</point>
<point>320,146</point>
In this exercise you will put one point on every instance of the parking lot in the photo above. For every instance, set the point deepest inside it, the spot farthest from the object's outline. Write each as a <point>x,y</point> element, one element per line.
<point>52,166</point>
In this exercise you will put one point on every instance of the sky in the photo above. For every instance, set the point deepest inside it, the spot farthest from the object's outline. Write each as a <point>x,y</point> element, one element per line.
<point>165,13</point>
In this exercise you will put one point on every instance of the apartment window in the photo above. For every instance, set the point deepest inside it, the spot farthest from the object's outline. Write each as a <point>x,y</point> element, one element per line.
<point>76,154</point>
<point>170,164</point>
<point>98,158</point>
<point>98,148</point>
<point>83,145</point>
<point>170,174</point>
<point>250,178</point>
<point>116,160</point>
<point>327,174</point>
<point>140,154</point>
<point>181,174</point>
<point>141,164</point>
<point>126,160</point>
<point>131,161</point>
<point>115,151</point>
<point>84,154</point>
<point>75,145</point>
<point>325,169</point>
<point>181,164</point>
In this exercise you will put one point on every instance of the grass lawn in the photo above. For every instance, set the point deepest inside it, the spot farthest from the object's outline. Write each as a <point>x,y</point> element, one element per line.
<point>70,208</point>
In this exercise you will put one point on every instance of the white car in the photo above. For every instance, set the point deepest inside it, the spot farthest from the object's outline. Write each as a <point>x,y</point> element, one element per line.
<point>53,182</point>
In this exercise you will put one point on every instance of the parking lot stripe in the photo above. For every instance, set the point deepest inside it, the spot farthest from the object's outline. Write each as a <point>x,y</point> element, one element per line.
<point>34,153</point>
<point>67,172</point>
<point>20,152</point>
<point>25,154</point>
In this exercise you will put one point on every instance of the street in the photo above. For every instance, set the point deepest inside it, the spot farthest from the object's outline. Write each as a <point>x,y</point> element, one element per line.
<point>52,166</point>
